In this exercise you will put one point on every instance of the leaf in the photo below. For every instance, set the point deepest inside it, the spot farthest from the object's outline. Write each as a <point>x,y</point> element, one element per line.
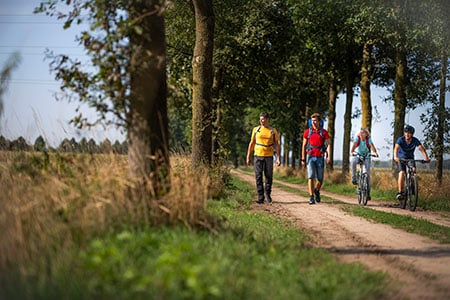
<point>138,29</point>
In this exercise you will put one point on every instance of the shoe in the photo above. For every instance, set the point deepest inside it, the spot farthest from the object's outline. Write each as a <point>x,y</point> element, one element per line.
<point>269,199</point>
<point>317,194</point>
<point>354,181</point>
<point>369,198</point>
<point>400,196</point>
<point>311,200</point>
<point>260,201</point>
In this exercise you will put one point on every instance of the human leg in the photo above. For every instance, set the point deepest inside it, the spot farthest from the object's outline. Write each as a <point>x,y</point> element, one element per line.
<point>320,173</point>
<point>367,164</point>
<point>401,177</point>
<point>312,171</point>
<point>268,172</point>
<point>259,167</point>
<point>353,166</point>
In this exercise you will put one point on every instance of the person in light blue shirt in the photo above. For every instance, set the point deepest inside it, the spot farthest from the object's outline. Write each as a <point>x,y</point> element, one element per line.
<point>364,146</point>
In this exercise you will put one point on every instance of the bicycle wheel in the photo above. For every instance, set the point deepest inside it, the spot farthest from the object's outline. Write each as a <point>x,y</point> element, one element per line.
<point>414,193</point>
<point>364,190</point>
<point>359,189</point>
<point>406,193</point>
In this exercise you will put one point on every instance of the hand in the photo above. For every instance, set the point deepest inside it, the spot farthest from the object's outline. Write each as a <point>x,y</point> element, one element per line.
<point>278,162</point>
<point>303,163</point>
<point>376,155</point>
<point>427,160</point>
<point>396,159</point>
<point>248,161</point>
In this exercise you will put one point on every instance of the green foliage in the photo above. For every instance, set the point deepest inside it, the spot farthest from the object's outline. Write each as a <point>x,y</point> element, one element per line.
<point>249,256</point>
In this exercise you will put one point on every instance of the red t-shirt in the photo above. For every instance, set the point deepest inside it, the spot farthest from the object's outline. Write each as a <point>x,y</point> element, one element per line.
<point>316,141</point>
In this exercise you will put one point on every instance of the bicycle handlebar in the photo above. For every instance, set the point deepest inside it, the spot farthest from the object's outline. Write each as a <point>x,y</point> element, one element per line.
<point>407,160</point>
<point>363,156</point>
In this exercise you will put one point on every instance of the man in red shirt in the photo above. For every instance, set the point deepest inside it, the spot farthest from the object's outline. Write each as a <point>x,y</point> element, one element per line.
<point>316,143</point>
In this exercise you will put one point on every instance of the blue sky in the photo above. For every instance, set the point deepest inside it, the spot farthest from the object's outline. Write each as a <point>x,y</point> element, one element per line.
<point>30,107</point>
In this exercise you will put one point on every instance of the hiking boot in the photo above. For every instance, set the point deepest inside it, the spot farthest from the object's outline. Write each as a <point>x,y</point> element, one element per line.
<point>269,199</point>
<point>400,196</point>
<point>317,194</point>
<point>260,201</point>
<point>311,200</point>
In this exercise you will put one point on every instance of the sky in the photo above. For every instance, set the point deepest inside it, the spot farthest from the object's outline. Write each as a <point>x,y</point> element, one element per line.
<point>30,107</point>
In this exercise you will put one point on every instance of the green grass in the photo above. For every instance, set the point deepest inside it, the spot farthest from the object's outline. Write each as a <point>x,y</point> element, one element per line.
<point>248,256</point>
<point>407,223</point>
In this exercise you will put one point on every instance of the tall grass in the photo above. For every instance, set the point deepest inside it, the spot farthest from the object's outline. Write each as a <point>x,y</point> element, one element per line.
<point>54,202</point>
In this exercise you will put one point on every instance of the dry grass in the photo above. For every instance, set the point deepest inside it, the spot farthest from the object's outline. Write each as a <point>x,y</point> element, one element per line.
<point>52,203</point>
<point>382,179</point>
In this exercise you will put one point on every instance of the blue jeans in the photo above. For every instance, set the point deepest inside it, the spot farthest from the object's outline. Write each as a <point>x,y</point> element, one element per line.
<point>263,164</point>
<point>315,167</point>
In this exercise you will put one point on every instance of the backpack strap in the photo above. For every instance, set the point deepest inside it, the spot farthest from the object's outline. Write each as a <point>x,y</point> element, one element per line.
<point>272,136</point>
<point>359,141</point>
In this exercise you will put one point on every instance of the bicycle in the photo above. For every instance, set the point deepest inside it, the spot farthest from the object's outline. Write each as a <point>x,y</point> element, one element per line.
<point>410,185</point>
<point>362,188</point>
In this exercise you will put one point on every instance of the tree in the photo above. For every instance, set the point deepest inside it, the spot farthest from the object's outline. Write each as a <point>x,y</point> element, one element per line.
<point>126,44</point>
<point>202,67</point>
<point>437,118</point>
<point>20,144</point>
<point>4,143</point>
<point>39,144</point>
<point>5,74</point>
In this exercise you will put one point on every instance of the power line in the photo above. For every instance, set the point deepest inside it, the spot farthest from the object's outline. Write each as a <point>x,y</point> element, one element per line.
<point>25,53</point>
<point>30,22</point>
<point>36,46</point>
<point>32,81</point>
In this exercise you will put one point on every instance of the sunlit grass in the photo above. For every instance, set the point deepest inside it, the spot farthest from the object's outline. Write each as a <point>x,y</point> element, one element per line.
<point>407,223</point>
<point>70,232</point>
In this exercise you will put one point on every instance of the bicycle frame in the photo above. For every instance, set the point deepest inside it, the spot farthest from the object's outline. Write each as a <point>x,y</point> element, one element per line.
<point>410,185</point>
<point>362,189</point>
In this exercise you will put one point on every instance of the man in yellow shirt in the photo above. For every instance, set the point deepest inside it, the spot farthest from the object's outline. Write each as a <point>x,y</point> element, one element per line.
<point>263,141</point>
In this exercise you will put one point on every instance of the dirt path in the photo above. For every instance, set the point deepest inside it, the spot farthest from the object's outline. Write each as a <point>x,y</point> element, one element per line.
<point>419,267</point>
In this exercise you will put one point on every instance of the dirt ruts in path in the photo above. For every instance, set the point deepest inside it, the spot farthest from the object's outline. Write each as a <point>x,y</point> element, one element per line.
<point>419,267</point>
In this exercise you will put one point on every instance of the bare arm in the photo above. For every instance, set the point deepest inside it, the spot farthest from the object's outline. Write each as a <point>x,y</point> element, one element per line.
<point>374,150</point>
<point>353,148</point>
<point>396,147</point>
<point>303,158</point>
<point>424,153</point>
<point>327,142</point>
<point>251,146</point>
<point>278,148</point>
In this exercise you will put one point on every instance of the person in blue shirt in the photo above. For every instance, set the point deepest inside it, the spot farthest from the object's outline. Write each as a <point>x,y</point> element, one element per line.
<point>404,148</point>
<point>362,145</point>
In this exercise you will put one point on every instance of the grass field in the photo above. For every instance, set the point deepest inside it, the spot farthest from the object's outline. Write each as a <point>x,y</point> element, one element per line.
<point>72,230</point>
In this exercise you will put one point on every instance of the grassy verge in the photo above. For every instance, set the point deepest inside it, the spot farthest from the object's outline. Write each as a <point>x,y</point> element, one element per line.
<point>407,223</point>
<point>247,256</point>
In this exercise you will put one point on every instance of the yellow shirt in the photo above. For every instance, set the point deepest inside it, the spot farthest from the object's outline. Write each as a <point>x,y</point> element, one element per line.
<point>265,140</point>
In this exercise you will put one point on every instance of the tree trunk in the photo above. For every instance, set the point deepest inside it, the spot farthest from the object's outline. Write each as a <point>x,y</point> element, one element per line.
<point>147,118</point>
<point>347,124</point>
<point>217,123</point>
<point>399,97</point>
<point>439,141</point>
<point>286,150</point>
<point>202,83</point>
<point>366,104</point>
<point>331,119</point>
